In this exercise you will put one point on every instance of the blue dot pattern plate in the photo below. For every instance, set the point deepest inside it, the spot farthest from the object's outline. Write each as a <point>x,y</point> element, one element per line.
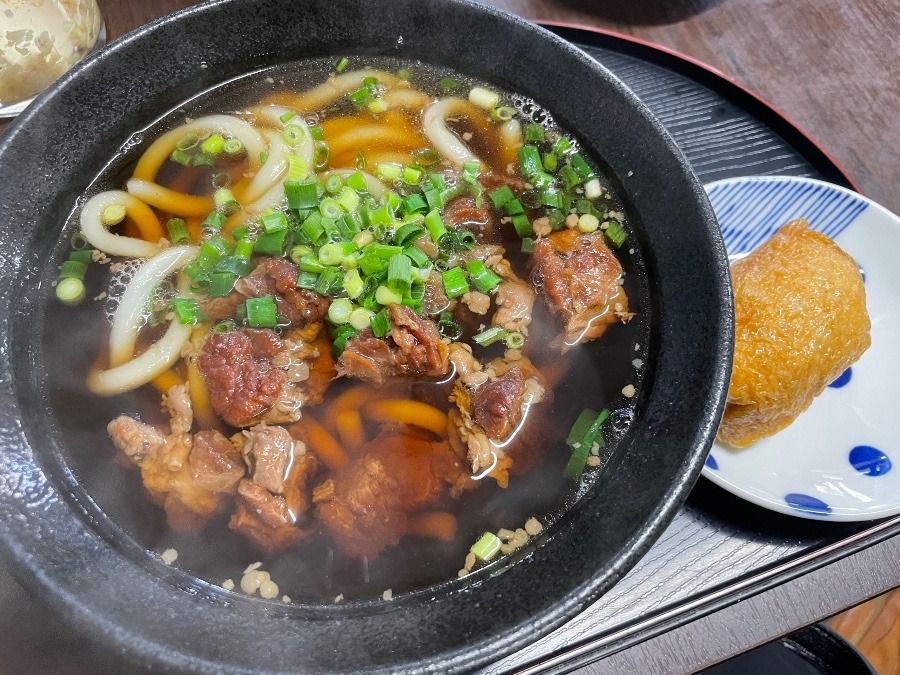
<point>840,460</point>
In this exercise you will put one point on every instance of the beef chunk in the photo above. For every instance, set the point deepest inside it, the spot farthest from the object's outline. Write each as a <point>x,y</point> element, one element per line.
<point>482,221</point>
<point>189,476</point>
<point>497,405</point>
<point>365,506</point>
<point>271,453</point>
<point>579,277</point>
<point>274,277</point>
<point>215,463</point>
<point>274,521</point>
<point>239,375</point>
<point>413,348</point>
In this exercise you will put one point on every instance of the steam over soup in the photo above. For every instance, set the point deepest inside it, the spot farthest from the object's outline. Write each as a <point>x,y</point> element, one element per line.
<point>373,324</point>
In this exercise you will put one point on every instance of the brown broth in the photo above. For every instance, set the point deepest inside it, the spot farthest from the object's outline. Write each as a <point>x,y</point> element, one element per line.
<point>315,571</point>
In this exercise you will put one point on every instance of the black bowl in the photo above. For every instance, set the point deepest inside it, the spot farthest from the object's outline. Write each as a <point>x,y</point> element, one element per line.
<point>108,585</point>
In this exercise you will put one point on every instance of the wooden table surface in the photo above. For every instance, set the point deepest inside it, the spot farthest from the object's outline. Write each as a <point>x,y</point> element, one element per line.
<point>829,65</point>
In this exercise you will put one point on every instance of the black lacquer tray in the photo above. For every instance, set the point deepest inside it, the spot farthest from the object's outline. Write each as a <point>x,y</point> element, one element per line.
<point>719,549</point>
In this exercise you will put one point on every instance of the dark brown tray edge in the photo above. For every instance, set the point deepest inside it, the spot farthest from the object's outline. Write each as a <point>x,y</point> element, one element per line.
<point>716,80</point>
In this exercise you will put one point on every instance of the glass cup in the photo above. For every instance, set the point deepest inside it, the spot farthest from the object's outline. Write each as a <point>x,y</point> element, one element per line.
<point>39,41</point>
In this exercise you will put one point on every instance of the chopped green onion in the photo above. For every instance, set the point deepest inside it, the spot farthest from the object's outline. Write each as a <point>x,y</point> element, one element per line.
<point>321,155</point>
<point>213,145</point>
<point>188,142</point>
<point>236,265</point>
<point>334,184</point>
<point>113,215</point>
<point>515,340</point>
<point>562,145</point>
<point>70,291</point>
<point>399,276</point>
<point>244,248</point>
<point>339,337</point>
<point>226,326</point>
<point>339,311</point>
<point>503,114</point>
<point>501,196</point>
<point>261,312</point>
<point>353,283</point>
<point>552,198</point>
<point>307,280</point>
<point>541,180</point>
<point>513,207</point>
<point>274,221</point>
<point>490,336</point>
<point>270,243</point>
<point>331,208</point>
<point>349,198</point>
<point>615,233</point>
<point>387,296</point>
<point>361,318</point>
<point>302,195</point>
<point>288,116</point>
<point>181,157</point>
<point>584,433</point>
<point>177,230</point>
<point>203,159</point>
<point>487,547</point>
<point>522,225</point>
<point>588,222</point>
<point>426,157</point>
<point>408,233</point>
<point>221,283</point>
<point>75,269</point>
<point>527,245</point>
<point>530,160</point>
<point>435,225</point>
<point>378,106</point>
<point>484,98</point>
<point>569,177</point>
<point>334,253</point>
<point>329,282</point>
<point>389,171</point>
<point>293,134</point>
<point>551,162</point>
<point>316,132</point>
<point>188,311</point>
<point>312,227</point>
<point>342,64</point>
<point>363,238</point>
<point>404,74</point>
<point>593,189</point>
<point>482,277</point>
<point>215,220</point>
<point>233,146</point>
<point>455,283</point>
<point>297,252</point>
<point>82,256</point>
<point>448,328</point>
<point>416,255</point>
<point>448,84</point>
<point>357,181</point>
<point>380,323</point>
<point>221,180</point>
<point>223,196</point>
<point>581,166</point>
<point>361,97</point>
<point>297,169</point>
<point>412,175</point>
<point>534,133</point>
<point>556,217</point>
<point>470,171</point>
<point>415,203</point>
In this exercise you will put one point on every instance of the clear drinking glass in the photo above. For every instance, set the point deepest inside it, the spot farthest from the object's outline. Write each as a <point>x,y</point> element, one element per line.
<point>39,41</point>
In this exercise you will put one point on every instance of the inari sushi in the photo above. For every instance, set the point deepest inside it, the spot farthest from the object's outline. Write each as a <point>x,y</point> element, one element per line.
<point>800,321</point>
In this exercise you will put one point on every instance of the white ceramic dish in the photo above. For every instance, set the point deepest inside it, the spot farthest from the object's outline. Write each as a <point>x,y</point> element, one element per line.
<point>840,460</point>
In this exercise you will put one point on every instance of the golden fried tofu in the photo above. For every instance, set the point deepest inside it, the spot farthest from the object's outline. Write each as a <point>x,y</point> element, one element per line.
<point>800,321</point>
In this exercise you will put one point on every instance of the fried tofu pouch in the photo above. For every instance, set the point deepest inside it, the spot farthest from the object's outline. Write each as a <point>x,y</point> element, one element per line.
<point>800,321</point>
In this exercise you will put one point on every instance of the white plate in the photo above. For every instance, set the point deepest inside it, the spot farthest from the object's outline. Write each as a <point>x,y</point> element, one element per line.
<point>840,460</point>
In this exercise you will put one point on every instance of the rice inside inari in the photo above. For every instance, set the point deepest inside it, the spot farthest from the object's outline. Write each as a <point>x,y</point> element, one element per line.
<point>800,321</point>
